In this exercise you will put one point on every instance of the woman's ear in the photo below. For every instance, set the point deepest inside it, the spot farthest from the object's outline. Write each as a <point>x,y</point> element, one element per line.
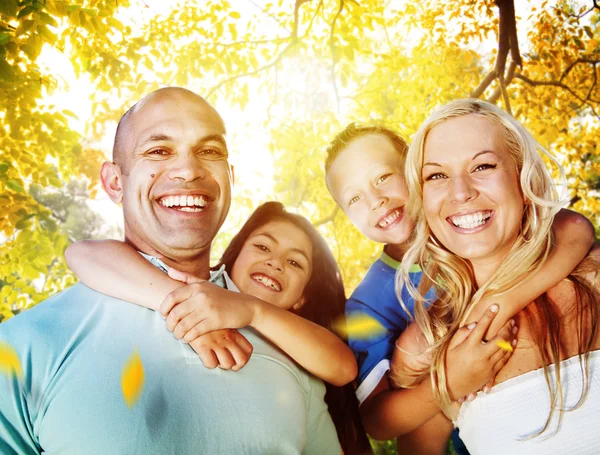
<point>112,181</point>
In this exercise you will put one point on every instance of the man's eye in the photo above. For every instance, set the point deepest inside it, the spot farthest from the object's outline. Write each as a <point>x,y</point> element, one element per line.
<point>353,200</point>
<point>213,153</point>
<point>158,152</point>
<point>382,179</point>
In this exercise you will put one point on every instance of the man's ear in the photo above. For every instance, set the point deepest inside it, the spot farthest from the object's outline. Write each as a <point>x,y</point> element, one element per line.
<point>299,304</point>
<point>112,181</point>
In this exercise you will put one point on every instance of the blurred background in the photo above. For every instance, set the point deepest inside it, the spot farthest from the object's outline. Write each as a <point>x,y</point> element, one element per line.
<point>286,76</point>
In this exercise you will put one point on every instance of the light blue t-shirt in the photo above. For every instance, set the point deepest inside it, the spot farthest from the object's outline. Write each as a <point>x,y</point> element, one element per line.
<point>73,348</point>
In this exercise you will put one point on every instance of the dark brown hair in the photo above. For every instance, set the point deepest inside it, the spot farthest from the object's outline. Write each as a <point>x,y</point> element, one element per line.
<point>324,304</point>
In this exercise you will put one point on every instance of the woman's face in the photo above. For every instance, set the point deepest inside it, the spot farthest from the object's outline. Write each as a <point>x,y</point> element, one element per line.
<point>275,264</point>
<point>471,193</point>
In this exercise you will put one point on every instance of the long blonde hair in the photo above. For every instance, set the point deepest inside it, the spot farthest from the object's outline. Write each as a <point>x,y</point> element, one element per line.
<point>453,277</point>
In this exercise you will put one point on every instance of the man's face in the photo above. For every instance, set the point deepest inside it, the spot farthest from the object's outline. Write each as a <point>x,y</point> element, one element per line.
<point>176,187</point>
<point>367,182</point>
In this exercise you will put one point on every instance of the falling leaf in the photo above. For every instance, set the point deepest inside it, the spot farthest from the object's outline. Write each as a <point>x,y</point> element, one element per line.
<point>359,326</point>
<point>132,379</point>
<point>9,361</point>
<point>504,345</point>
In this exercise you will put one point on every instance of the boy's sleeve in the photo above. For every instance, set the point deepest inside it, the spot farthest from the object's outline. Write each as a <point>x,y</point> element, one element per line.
<point>321,435</point>
<point>373,353</point>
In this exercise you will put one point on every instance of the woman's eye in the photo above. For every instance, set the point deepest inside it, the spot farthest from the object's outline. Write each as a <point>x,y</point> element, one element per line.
<point>436,176</point>
<point>261,247</point>
<point>484,167</point>
<point>353,200</point>
<point>382,179</point>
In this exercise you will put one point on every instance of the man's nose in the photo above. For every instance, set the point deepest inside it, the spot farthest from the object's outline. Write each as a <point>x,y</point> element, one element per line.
<point>187,167</point>
<point>462,190</point>
<point>275,263</point>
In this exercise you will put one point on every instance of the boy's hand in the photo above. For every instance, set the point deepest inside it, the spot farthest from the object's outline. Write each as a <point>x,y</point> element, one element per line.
<point>472,362</point>
<point>227,349</point>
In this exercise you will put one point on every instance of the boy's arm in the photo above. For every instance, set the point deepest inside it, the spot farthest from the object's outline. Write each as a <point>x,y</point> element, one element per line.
<point>116,269</point>
<point>573,236</point>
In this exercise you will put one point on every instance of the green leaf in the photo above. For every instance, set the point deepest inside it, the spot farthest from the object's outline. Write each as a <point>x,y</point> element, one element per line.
<point>47,19</point>
<point>71,8</point>
<point>25,11</point>
<point>8,8</point>
<point>15,185</point>
<point>4,38</point>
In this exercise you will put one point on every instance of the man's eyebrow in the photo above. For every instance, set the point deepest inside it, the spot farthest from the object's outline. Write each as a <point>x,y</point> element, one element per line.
<point>483,152</point>
<point>158,137</point>
<point>297,250</point>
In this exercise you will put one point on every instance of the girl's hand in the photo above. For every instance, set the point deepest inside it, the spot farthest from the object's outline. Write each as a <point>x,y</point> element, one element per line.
<point>201,307</point>
<point>226,349</point>
<point>472,362</point>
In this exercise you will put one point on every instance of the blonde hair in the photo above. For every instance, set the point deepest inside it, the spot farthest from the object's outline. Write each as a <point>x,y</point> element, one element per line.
<point>453,277</point>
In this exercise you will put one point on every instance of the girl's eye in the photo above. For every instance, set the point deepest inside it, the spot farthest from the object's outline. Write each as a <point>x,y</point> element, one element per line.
<point>353,200</point>
<point>261,247</point>
<point>485,167</point>
<point>382,179</point>
<point>295,264</point>
<point>436,176</point>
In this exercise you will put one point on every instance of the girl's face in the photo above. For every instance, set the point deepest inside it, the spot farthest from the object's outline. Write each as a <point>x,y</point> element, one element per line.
<point>275,264</point>
<point>471,193</point>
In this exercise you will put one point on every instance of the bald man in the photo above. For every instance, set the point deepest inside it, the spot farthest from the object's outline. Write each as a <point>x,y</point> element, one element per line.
<point>73,347</point>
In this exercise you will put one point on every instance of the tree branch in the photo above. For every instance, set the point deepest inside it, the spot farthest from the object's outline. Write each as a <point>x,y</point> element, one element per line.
<point>328,218</point>
<point>333,57</point>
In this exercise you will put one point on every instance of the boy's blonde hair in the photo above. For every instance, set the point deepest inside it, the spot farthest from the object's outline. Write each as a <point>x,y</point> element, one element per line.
<point>354,131</point>
<point>453,276</point>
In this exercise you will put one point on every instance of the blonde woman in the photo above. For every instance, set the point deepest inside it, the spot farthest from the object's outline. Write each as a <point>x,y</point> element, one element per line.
<point>484,202</point>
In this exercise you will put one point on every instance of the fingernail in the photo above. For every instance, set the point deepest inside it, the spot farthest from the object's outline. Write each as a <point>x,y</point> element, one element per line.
<point>461,399</point>
<point>471,397</point>
<point>471,326</point>
<point>486,389</point>
<point>512,322</point>
<point>515,329</point>
<point>494,308</point>
<point>514,342</point>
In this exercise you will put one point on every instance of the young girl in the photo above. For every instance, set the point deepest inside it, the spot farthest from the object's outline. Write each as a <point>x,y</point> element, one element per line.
<point>279,262</point>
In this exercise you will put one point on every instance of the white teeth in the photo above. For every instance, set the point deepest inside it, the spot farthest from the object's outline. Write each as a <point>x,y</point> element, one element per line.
<point>267,281</point>
<point>190,202</point>
<point>389,219</point>
<point>471,220</point>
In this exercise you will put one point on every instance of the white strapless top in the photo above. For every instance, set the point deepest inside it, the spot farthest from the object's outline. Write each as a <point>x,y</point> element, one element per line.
<point>500,421</point>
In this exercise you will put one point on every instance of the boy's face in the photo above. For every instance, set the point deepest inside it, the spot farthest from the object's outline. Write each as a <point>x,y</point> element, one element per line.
<point>367,182</point>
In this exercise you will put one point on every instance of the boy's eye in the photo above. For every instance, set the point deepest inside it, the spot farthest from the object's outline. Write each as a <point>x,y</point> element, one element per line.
<point>353,200</point>
<point>484,167</point>
<point>382,179</point>
<point>261,247</point>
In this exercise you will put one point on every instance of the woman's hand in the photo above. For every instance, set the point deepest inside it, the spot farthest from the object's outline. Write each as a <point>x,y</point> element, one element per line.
<point>472,362</point>
<point>226,349</point>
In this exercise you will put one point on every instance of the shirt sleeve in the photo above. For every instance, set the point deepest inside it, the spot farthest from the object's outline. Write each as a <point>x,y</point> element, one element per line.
<point>321,435</point>
<point>16,429</point>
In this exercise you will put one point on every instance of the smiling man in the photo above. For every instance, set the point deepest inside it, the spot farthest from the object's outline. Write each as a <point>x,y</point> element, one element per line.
<point>171,174</point>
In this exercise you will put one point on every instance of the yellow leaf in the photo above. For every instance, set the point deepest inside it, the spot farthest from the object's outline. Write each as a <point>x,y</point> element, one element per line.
<point>359,326</point>
<point>132,379</point>
<point>504,345</point>
<point>9,360</point>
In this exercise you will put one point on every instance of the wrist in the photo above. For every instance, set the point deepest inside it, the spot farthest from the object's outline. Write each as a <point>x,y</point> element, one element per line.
<point>257,309</point>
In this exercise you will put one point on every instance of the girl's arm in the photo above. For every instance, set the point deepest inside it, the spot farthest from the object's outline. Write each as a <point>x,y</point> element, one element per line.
<point>470,364</point>
<point>574,236</point>
<point>116,269</point>
<point>202,307</point>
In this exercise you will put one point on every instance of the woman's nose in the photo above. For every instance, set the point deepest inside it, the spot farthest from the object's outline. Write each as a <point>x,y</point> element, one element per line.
<point>462,190</point>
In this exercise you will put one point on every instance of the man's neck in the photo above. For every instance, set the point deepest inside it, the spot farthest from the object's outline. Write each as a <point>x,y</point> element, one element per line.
<point>197,264</point>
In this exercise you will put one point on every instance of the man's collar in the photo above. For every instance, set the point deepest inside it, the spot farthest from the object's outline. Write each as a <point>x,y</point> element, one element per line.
<point>219,277</point>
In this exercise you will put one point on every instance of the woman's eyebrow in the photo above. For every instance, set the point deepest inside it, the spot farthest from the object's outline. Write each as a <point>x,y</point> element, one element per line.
<point>483,152</point>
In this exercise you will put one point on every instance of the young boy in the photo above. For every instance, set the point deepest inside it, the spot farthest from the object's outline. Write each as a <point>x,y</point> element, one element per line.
<point>364,171</point>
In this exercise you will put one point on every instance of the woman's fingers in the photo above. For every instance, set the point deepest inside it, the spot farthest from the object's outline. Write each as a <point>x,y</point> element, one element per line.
<point>504,340</point>
<point>461,335</point>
